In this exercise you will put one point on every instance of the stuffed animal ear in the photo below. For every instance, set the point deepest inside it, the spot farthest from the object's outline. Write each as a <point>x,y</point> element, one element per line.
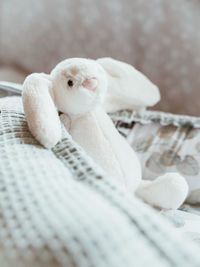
<point>127,87</point>
<point>40,110</point>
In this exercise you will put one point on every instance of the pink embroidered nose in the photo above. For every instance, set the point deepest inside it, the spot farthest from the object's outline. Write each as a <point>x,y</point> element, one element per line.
<point>90,84</point>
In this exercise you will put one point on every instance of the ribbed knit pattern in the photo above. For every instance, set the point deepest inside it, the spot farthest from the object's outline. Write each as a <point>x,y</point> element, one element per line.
<point>58,208</point>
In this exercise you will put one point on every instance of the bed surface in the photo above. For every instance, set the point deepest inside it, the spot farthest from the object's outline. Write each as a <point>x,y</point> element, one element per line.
<point>38,210</point>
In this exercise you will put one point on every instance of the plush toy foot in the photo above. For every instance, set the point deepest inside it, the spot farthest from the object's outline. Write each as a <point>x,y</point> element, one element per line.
<point>166,192</point>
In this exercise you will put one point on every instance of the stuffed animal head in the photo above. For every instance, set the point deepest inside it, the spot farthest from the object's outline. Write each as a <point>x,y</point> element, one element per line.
<point>75,86</point>
<point>78,85</point>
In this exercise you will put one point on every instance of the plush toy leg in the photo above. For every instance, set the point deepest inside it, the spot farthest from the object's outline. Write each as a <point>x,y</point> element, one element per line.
<point>40,111</point>
<point>167,192</point>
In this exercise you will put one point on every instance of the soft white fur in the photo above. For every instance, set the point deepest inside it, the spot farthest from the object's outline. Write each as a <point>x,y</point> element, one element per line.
<point>127,87</point>
<point>167,191</point>
<point>41,113</point>
<point>77,87</point>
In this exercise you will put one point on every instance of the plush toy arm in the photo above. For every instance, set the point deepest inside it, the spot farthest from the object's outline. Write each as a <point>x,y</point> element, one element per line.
<point>65,119</point>
<point>127,87</point>
<point>40,111</point>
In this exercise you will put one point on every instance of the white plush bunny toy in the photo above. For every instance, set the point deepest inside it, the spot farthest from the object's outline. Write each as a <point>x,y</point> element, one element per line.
<point>82,89</point>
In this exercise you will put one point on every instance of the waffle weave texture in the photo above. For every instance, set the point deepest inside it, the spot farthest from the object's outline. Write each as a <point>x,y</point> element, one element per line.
<point>58,208</point>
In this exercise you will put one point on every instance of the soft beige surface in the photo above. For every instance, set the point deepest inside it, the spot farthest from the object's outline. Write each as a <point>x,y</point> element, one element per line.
<point>159,37</point>
<point>11,74</point>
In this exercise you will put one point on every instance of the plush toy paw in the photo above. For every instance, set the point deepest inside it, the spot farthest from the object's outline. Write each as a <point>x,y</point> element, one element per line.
<point>166,192</point>
<point>65,119</point>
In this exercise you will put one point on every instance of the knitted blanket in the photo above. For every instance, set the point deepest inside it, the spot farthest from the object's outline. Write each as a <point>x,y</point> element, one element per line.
<point>58,208</point>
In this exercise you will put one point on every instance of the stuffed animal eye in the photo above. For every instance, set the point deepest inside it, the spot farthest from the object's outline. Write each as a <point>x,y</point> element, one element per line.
<point>70,83</point>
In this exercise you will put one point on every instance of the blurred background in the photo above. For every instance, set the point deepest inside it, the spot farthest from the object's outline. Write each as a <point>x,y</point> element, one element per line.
<point>160,38</point>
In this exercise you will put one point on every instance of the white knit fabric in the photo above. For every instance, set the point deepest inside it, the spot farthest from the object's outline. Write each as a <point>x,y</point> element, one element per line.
<point>57,208</point>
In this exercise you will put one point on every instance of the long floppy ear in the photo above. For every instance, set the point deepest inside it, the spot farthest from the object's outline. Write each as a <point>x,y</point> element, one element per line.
<point>127,87</point>
<point>40,110</point>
